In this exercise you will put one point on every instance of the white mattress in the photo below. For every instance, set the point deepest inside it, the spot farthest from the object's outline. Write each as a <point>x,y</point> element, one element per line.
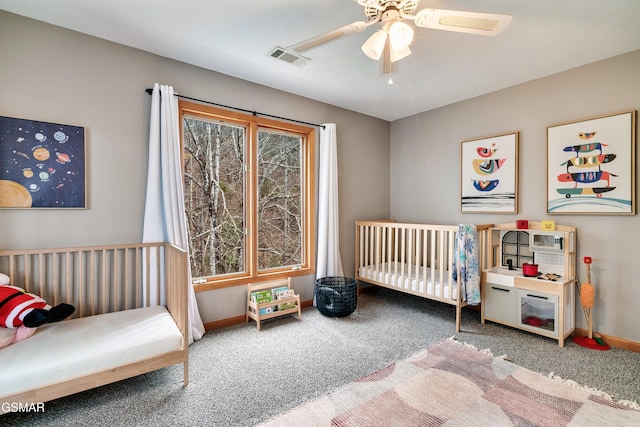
<point>409,277</point>
<point>77,347</point>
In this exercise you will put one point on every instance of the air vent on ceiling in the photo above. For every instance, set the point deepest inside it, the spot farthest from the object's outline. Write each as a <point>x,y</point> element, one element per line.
<point>291,58</point>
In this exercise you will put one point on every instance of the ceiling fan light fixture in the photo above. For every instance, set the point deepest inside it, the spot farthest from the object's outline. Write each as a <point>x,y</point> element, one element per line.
<point>374,46</point>
<point>400,35</point>
<point>397,55</point>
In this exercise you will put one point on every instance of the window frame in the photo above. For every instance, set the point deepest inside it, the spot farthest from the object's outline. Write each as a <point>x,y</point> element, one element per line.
<point>253,123</point>
<point>521,243</point>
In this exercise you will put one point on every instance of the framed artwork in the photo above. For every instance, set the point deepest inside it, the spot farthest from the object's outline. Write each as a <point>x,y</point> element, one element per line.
<point>489,169</point>
<point>42,165</point>
<point>591,166</point>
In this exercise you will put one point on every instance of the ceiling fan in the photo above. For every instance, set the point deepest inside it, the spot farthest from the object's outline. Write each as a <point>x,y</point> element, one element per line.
<point>392,40</point>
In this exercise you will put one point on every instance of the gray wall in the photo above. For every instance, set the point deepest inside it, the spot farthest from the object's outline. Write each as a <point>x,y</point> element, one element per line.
<point>52,74</point>
<point>425,172</point>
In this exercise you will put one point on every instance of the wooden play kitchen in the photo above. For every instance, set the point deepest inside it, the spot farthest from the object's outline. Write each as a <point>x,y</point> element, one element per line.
<point>529,283</point>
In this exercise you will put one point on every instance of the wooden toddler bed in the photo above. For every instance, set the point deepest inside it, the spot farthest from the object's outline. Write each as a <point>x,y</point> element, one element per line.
<point>418,259</point>
<point>123,325</point>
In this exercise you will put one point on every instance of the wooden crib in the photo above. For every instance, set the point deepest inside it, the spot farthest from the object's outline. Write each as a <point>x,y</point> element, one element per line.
<point>126,322</point>
<point>415,258</point>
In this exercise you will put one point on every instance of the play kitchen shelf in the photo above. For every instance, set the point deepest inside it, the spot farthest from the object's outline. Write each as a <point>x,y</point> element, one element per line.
<point>541,301</point>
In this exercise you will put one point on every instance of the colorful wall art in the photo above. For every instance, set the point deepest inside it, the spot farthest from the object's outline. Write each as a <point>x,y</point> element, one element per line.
<point>42,165</point>
<point>489,182</point>
<point>591,166</point>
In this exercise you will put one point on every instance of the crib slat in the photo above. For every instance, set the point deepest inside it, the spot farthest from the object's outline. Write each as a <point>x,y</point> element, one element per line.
<point>81,266</point>
<point>105,291</point>
<point>416,261</point>
<point>432,261</point>
<point>381,245</point>
<point>425,259</point>
<point>55,268</point>
<point>395,251</point>
<point>159,272</point>
<point>360,261</point>
<point>388,251</point>
<point>27,267</point>
<point>403,260</point>
<point>370,245</point>
<point>126,298</point>
<point>408,261</point>
<point>379,250</point>
<point>112,282</point>
<point>92,279</point>
<point>137,280</point>
<point>366,245</point>
<point>68,291</point>
<point>146,284</point>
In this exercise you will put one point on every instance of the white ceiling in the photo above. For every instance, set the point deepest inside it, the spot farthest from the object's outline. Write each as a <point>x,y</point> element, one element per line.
<point>234,37</point>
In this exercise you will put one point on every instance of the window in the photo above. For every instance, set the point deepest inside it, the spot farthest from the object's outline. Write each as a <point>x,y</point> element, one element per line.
<point>515,249</point>
<point>248,196</point>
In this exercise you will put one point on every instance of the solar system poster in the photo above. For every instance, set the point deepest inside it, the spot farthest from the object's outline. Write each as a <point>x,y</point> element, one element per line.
<point>42,165</point>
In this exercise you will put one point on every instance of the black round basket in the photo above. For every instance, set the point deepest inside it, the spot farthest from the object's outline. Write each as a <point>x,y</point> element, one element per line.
<point>336,296</point>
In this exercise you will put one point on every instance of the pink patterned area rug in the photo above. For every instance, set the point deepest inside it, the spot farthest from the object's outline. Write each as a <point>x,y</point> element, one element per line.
<point>455,384</point>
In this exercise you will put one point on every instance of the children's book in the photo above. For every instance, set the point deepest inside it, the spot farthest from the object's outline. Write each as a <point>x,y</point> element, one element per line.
<point>276,291</point>
<point>285,294</point>
<point>260,297</point>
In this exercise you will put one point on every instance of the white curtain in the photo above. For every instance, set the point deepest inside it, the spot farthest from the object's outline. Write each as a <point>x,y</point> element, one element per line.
<point>164,213</point>
<point>328,262</point>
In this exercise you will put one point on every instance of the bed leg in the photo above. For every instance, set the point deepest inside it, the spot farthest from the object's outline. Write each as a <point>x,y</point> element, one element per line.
<point>458,315</point>
<point>185,368</point>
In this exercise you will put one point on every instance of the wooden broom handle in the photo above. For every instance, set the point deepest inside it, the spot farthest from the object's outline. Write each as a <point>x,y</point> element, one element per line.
<point>588,260</point>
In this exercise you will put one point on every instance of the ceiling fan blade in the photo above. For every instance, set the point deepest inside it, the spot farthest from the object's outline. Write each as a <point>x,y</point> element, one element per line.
<point>316,41</point>
<point>372,3</point>
<point>488,24</point>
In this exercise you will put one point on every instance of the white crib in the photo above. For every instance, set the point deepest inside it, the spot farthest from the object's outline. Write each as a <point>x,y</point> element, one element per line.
<point>415,258</point>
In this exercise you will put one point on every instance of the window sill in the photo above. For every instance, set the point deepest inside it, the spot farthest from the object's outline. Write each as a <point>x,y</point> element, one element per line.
<point>245,280</point>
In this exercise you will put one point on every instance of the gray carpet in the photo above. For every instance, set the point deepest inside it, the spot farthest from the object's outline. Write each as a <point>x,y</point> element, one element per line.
<point>241,377</point>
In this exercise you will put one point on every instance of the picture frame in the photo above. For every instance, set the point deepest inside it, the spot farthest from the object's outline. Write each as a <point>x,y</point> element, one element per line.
<point>591,166</point>
<point>42,165</point>
<point>489,174</point>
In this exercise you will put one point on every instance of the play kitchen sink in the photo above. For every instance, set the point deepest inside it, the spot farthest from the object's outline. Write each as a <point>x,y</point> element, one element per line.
<point>530,287</point>
<point>501,276</point>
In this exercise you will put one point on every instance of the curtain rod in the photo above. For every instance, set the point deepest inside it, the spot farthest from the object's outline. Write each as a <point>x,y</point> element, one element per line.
<point>254,113</point>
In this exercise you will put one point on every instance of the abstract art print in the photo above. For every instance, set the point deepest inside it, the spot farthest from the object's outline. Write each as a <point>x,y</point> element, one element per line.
<point>591,166</point>
<point>42,165</point>
<point>489,169</point>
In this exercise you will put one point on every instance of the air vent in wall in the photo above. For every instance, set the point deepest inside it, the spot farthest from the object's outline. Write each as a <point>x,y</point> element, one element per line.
<point>291,58</point>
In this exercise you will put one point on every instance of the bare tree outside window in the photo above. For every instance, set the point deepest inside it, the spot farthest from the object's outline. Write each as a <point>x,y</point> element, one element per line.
<point>214,155</point>
<point>279,200</point>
